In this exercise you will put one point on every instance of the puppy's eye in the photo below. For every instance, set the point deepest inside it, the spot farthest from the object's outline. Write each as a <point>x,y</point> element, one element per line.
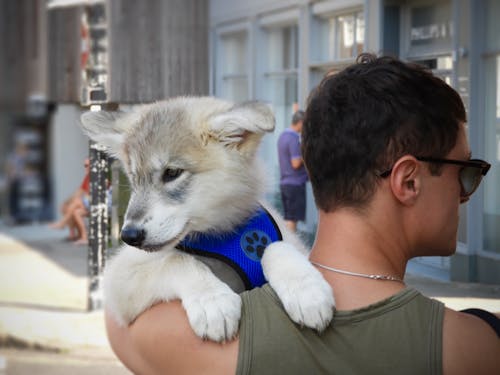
<point>171,174</point>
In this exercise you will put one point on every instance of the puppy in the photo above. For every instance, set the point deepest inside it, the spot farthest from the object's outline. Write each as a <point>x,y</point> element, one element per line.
<point>193,172</point>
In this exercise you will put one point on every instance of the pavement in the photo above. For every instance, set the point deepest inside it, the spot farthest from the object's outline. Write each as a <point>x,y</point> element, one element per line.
<point>44,289</point>
<point>43,301</point>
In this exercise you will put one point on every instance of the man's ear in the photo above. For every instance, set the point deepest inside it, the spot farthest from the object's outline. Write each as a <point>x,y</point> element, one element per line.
<point>405,179</point>
<point>241,124</point>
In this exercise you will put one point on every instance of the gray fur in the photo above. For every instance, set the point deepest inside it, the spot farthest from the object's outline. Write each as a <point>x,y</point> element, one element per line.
<point>214,142</point>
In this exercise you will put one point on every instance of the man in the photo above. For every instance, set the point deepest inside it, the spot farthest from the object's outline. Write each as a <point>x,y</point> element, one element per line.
<point>293,175</point>
<point>386,149</point>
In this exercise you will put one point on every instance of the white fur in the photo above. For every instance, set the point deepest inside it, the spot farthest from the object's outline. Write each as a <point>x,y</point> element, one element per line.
<point>214,144</point>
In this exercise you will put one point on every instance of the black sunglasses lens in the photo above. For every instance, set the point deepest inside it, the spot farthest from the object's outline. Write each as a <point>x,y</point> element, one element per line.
<point>470,178</point>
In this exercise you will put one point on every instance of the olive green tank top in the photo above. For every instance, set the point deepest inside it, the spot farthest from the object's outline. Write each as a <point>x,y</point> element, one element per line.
<point>399,335</point>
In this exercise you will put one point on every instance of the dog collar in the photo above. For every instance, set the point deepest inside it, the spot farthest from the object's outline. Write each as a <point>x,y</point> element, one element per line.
<point>241,249</point>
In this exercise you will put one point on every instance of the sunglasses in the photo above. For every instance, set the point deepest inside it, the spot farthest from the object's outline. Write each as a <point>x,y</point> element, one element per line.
<point>470,174</point>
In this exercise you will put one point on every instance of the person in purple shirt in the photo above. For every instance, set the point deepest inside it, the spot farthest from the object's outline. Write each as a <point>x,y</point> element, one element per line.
<point>293,175</point>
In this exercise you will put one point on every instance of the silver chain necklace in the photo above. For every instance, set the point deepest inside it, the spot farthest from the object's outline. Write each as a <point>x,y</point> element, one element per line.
<point>365,275</point>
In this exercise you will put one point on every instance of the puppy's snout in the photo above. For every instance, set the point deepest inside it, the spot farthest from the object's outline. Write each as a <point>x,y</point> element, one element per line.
<point>133,236</point>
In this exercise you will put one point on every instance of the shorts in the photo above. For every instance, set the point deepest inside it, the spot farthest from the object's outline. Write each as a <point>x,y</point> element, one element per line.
<point>86,202</point>
<point>294,202</point>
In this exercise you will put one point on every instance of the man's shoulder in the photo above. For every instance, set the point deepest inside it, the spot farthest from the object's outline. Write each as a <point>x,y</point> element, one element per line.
<point>262,294</point>
<point>270,340</point>
<point>261,303</point>
<point>289,134</point>
<point>465,333</point>
<point>164,328</point>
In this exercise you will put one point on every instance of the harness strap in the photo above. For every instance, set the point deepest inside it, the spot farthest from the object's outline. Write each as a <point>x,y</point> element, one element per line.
<point>241,249</point>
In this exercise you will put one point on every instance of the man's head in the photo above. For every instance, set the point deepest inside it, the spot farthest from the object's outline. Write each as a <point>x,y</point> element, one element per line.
<point>360,121</point>
<point>297,121</point>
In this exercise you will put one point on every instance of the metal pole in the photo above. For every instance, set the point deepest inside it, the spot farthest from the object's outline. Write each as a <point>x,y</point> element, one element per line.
<point>98,224</point>
<point>94,67</point>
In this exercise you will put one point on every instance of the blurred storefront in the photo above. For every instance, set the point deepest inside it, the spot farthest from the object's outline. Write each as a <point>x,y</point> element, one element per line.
<point>62,56</point>
<point>25,114</point>
<point>81,55</point>
<point>278,51</point>
<point>275,51</point>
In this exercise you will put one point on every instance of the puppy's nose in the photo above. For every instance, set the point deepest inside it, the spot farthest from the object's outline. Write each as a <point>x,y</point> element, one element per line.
<point>133,236</point>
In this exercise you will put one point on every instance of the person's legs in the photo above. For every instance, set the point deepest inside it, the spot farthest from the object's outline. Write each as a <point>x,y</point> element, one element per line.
<point>68,214</point>
<point>293,198</point>
<point>73,230</point>
<point>78,217</point>
<point>61,223</point>
<point>291,225</point>
<point>285,200</point>
<point>65,205</point>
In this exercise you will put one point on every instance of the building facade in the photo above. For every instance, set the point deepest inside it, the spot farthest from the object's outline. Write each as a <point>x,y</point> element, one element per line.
<point>277,51</point>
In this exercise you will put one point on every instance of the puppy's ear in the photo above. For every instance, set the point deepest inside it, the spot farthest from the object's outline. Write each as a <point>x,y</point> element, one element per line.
<point>105,128</point>
<point>241,123</point>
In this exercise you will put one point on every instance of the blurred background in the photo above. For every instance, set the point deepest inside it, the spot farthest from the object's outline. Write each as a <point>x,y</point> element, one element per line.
<point>59,58</point>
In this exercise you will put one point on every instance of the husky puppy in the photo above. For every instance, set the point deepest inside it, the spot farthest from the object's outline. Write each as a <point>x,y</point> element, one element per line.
<point>191,163</point>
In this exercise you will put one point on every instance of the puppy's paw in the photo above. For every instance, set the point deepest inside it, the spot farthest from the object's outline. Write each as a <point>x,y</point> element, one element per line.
<point>309,302</point>
<point>214,316</point>
<point>306,296</point>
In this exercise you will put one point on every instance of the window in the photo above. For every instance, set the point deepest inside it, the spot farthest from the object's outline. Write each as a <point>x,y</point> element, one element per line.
<point>491,203</point>
<point>233,61</point>
<point>336,40</point>
<point>430,28</point>
<point>441,66</point>
<point>428,36</point>
<point>341,37</point>
<point>280,84</point>
<point>280,75</point>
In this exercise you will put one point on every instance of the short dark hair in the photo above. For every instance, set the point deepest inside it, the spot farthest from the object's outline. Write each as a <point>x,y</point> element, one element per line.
<point>361,120</point>
<point>298,116</point>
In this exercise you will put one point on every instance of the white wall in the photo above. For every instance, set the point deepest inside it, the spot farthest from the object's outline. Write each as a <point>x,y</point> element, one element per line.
<point>68,149</point>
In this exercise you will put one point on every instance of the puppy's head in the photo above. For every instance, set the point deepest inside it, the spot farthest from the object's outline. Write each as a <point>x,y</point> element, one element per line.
<point>190,163</point>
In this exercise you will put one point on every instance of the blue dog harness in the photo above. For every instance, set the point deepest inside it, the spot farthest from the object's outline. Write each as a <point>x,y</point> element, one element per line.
<point>241,249</point>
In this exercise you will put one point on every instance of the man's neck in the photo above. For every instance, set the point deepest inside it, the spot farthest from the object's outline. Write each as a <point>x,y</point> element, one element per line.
<point>346,240</point>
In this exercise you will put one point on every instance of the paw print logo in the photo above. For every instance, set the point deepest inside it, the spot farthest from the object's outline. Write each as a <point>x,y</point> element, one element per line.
<point>253,243</point>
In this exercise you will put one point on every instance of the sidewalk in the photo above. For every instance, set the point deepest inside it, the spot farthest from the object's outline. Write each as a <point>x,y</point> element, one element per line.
<point>43,292</point>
